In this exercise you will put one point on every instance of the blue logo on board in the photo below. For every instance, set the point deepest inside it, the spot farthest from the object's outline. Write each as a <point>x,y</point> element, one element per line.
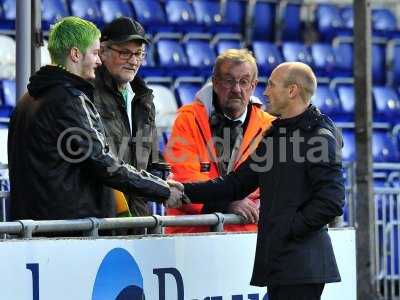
<point>118,278</point>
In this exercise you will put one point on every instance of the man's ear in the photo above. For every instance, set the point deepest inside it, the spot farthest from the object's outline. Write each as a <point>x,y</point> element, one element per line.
<point>103,49</point>
<point>294,90</point>
<point>254,84</point>
<point>213,80</point>
<point>75,54</point>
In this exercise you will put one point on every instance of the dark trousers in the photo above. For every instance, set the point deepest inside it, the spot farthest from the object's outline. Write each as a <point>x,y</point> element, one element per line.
<point>296,292</point>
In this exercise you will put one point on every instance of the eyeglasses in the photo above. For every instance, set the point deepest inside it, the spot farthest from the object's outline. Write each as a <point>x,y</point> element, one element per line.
<point>127,55</point>
<point>229,82</point>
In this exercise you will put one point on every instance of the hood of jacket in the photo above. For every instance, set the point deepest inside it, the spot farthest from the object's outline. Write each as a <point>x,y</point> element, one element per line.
<point>50,76</point>
<point>205,96</point>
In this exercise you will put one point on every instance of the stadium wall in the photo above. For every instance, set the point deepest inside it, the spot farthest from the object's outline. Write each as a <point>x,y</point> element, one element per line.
<point>197,267</point>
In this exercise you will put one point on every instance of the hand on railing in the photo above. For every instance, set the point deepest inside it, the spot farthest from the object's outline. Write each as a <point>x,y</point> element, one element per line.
<point>245,208</point>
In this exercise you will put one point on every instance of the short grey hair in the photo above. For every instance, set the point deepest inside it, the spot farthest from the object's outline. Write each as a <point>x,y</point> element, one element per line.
<point>238,56</point>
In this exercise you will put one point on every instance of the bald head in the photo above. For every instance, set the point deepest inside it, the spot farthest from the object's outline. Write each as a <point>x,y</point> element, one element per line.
<point>302,75</point>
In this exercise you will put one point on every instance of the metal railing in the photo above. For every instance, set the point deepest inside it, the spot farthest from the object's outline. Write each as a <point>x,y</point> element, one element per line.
<point>387,256</point>
<point>386,224</point>
<point>92,226</point>
<point>348,218</point>
<point>4,192</point>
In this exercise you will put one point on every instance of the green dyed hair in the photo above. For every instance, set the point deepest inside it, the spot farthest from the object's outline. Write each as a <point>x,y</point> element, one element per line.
<point>71,32</point>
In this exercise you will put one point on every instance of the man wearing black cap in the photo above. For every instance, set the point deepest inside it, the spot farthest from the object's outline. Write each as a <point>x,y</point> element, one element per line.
<point>124,101</point>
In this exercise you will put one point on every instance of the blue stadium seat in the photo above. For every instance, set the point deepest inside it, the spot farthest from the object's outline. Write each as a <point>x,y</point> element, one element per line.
<point>384,23</point>
<point>165,104</point>
<point>263,21</point>
<point>343,49</point>
<point>383,146</point>
<point>347,100</point>
<point>149,66</point>
<point>200,54</point>
<point>224,41</point>
<point>268,56</point>
<point>181,15</point>
<point>324,59</point>
<point>386,104</point>
<point>235,14</point>
<point>344,58</point>
<point>151,14</point>
<point>393,59</point>
<point>7,57</point>
<point>112,9</point>
<point>328,21</point>
<point>5,112</point>
<point>259,91</point>
<point>208,13</point>
<point>294,51</point>
<point>171,55</point>
<point>7,14</point>
<point>9,92</point>
<point>162,141</point>
<point>349,145</point>
<point>290,22</point>
<point>327,101</point>
<point>160,80</point>
<point>379,63</point>
<point>186,89</point>
<point>52,11</point>
<point>88,10</point>
<point>346,12</point>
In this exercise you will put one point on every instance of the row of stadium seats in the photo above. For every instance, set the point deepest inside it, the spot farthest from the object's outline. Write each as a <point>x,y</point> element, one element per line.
<point>385,146</point>
<point>335,98</point>
<point>155,15</point>
<point>194,54</point>
<point>173,54</point>
<point>268,19</point>
<point>332,20</point>
<point>386,136</point>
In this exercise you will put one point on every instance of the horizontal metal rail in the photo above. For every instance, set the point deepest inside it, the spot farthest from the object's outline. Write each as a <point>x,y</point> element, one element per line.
<point>91,226</point>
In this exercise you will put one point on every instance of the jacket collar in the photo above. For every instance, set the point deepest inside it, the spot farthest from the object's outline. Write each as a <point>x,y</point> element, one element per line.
<point>109,82</point>
<point>307,121</point>
<point>104,76</point>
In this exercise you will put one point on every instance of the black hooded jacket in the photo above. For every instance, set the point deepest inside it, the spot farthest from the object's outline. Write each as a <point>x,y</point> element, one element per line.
<point>58,157</point>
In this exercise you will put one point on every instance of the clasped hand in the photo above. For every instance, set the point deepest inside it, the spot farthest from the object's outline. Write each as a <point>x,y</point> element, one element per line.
<point>177,196</point>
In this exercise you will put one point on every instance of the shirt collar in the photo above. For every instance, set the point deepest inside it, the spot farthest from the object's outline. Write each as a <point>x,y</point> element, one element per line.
<point>130,92</point>
<point>242,118</point>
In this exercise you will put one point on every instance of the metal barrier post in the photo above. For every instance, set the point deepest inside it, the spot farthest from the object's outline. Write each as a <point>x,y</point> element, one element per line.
<point>4,191</point>
<point>157,229</point>
<point>3,196</point>
<point>28,226</point>
<point>94,231</point>
<point>219,227</point>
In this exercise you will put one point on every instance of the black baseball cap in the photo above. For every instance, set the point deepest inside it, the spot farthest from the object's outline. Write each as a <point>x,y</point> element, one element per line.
<point>122,30</point>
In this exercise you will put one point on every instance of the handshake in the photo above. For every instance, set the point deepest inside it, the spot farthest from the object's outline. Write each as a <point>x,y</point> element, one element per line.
<point>177,196</point>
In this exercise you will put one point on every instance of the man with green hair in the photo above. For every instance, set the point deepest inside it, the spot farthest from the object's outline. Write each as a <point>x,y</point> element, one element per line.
<point>59,160</point>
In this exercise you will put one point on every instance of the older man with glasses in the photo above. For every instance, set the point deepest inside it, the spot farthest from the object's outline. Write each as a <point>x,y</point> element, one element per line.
<point>125,103</point>
<point>212,136</point>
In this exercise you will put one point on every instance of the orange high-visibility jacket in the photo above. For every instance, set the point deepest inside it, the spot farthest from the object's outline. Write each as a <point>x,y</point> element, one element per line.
<point>191,154</point>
